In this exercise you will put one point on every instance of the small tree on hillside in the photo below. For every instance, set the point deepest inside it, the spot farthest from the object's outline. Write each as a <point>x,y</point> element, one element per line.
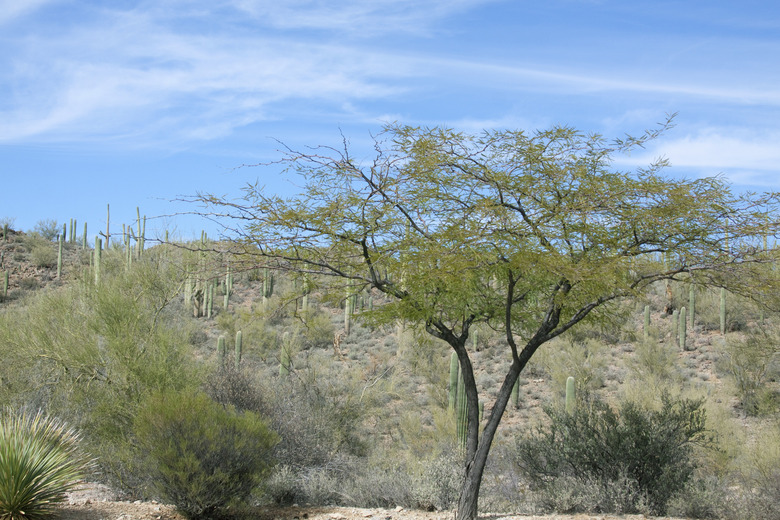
<point>529,234</point>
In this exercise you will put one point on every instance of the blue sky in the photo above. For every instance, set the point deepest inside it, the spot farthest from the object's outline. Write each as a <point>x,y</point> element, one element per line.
<point>135,103</point>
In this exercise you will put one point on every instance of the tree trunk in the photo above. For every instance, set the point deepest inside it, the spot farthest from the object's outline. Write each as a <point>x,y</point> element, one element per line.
<point>475,467</point>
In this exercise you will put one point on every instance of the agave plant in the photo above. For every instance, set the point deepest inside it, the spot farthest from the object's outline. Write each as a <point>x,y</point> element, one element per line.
<point>40,461</point>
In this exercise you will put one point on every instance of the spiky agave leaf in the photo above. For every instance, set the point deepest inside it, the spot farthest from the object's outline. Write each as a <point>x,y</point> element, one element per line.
<point>40,461</point>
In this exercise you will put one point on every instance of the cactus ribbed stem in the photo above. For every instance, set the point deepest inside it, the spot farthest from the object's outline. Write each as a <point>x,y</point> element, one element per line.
<point>221,351</point>
<point>452,397</point>
<point>98,253</point>
<point>348,314</point>
<point>461,419</point>
<point>516,393</point>
<point>59,256</point>
<point>571,398</point>
<point>238,349</point>
<point>683,330</point>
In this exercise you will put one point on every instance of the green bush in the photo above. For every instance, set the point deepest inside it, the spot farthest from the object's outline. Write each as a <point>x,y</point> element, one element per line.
<point>751,363</point>
<point>94,353</point>
<point>630,461</point>
<point>203,457</point>
<point>40,461</point>
<point>43,255</point>
<point>48,229</point>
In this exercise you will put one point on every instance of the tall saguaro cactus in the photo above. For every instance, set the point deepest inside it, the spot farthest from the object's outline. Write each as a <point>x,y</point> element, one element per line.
<point>462,416</point>
<point>570,395</point>
<point>98,253</point>
<point>268,287</point>
<point>228,287</point>
<point>683,329</point>
<point>60,242</point>
<point>221,351</point>
<point>238,349</point>
<point>348,309</point>
<point>453,389</point>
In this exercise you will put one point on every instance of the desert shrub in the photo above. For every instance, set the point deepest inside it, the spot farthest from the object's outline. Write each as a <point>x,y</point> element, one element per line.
<point>585,360</point>
<point>94,353</point>
<point>739,311</point>
<point>653,361</point>
<point>705,497</point>
<point>43,255</point>
<point>387,480</point>
<point>48,229</point>
<point>319,422</point>
<point>628,461</point>
<point>751,362</point>
<point>755,493</point>
<point>40,460</point>
<point>231,387</point>
<point>315,328</point>
<point>203,457</point>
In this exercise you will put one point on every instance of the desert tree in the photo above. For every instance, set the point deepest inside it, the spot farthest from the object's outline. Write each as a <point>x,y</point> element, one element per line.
<point>526,233</point>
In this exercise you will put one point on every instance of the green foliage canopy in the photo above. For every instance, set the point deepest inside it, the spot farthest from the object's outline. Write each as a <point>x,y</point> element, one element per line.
<point>528,233</point>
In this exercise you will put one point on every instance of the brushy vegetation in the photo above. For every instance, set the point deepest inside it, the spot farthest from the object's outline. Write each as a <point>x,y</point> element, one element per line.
<point>40,460</point>
<point>366,423</point>
<point>202,457</point>
<point>597,459</point>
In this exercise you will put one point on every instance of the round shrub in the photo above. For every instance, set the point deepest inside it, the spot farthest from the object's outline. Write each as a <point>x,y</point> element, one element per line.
<point>40,461</point>
<point>203,457</point>
<point>645,455</point>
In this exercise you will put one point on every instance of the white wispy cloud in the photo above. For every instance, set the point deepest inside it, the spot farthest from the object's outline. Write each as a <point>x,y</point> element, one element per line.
<point>145,74</point>
<point>12,9</point>
<point>136,70</point>
<point>745,157</point>
<point>356,17</point>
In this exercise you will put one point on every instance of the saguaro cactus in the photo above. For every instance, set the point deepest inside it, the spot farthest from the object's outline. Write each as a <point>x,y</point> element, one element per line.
<point>228,287</point>
<point>59,256</point>
<point>516,393</point>
<point>348,308</point>
<point>5,285</point>
<point>683,328</point>
<point>98,253</point>
<point>238,349</point>
<point>453,389</point>
<point>462,417</point>
<point>221,351</point>
<point>570,395</point>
